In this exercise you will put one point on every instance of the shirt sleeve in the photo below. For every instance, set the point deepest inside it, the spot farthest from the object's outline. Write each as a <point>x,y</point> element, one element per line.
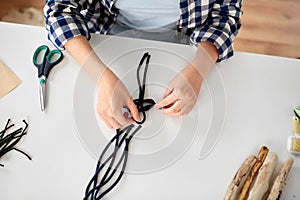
<point>65,20</point>
<point>221,27</point>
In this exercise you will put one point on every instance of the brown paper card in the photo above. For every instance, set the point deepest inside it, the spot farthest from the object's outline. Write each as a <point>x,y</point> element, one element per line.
<point>8,80</point>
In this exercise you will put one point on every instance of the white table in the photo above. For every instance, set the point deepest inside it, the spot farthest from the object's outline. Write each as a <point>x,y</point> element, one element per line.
<point>254,106</point>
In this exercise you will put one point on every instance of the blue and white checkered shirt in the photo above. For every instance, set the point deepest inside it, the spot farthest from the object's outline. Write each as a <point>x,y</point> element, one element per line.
<point>216,21</point>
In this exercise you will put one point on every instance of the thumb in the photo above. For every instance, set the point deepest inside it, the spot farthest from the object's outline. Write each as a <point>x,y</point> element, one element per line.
<point>133,110</point>
<point>168,92</point>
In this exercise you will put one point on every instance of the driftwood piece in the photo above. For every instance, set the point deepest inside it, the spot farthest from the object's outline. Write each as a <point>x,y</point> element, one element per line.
<point>247,185</point>
<point>280,180</point>
<point>262,182</point>
<point>239,178</point>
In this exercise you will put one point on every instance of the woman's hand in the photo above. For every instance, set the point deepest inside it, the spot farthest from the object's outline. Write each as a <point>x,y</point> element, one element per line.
<point>112,97</point>
<point>112,94</point>
<point>182,92</point>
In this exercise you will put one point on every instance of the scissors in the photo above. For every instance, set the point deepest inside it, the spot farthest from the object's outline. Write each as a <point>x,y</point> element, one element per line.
<point>45,60</point>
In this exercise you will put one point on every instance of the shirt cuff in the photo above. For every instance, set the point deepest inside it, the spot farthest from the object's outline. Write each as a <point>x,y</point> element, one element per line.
<point>65,28</point>
<point>219,38</point>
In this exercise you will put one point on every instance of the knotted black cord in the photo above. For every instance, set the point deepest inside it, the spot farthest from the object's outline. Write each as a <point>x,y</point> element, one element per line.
<point>8,141</point>
<point>140,102</point>
<point>93,190</point>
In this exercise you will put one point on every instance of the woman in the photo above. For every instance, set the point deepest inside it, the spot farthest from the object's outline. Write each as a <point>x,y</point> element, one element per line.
<point>211,25</point>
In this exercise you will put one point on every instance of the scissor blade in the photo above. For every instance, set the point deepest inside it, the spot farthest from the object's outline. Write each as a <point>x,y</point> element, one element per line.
<point>42,91</point>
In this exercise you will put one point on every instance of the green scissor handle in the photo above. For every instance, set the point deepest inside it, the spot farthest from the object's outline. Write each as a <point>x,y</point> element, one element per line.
<point>53,58</point>
<point>39,58</point>
<point>45,60</point>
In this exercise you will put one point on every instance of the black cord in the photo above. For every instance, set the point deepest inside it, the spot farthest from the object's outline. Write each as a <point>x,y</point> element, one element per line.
<point>142,104</point>
<point>100,165</point>
<point>95,188</point>
<point>8,141</point>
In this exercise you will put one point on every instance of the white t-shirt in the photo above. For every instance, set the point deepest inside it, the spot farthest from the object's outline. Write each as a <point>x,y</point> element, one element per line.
<point>142,14</point>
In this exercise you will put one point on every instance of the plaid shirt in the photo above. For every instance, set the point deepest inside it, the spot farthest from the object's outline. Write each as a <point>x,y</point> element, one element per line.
<point>216,21</point>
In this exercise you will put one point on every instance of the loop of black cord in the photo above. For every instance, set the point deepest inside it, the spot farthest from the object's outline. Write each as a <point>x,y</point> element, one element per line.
<point>8,141</point>
<point>94,189</point>
<point>142,104</point>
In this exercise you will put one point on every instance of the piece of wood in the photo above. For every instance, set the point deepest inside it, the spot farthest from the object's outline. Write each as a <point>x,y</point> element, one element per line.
<point>262,181</point>
<point>270,27</point>
<point>6,6</point>
<point>236,184</point>
<point>29,15</point>
<point>280,180</point>
<point>247,185</point>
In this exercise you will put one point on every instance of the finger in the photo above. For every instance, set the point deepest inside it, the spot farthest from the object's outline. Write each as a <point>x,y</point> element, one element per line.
<point>168,92</point>
<point>180,113</point>
<point>184,110</point>
<point>107,124</point>
<point>168,100</point>
<point>113,123</point>
<point>133,110</point>
<point>103,116</point>
<point>122,120</point>
<point>175,109</point>
<point>177,114</point>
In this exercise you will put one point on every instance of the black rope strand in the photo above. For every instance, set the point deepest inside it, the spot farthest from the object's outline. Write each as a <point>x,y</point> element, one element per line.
<point>93,192</point>
<point>124,157</point>
<point>5,129</point>
<point>101,164</point>
<point>8,141</point>
<point>104,180</point>
<point>141,103</point>
<point>95,188</point>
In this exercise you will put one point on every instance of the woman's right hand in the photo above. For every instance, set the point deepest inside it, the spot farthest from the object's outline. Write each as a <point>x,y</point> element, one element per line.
<point>112,97</point>
<point>112,93</point>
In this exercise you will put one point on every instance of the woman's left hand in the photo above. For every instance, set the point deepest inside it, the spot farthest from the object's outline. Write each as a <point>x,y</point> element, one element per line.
<point>182,92</point>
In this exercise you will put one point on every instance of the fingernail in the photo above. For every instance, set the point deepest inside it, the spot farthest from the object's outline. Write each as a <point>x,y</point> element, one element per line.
<point>156,107</point>
<point>139,118</point>
<point>126,115</point>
